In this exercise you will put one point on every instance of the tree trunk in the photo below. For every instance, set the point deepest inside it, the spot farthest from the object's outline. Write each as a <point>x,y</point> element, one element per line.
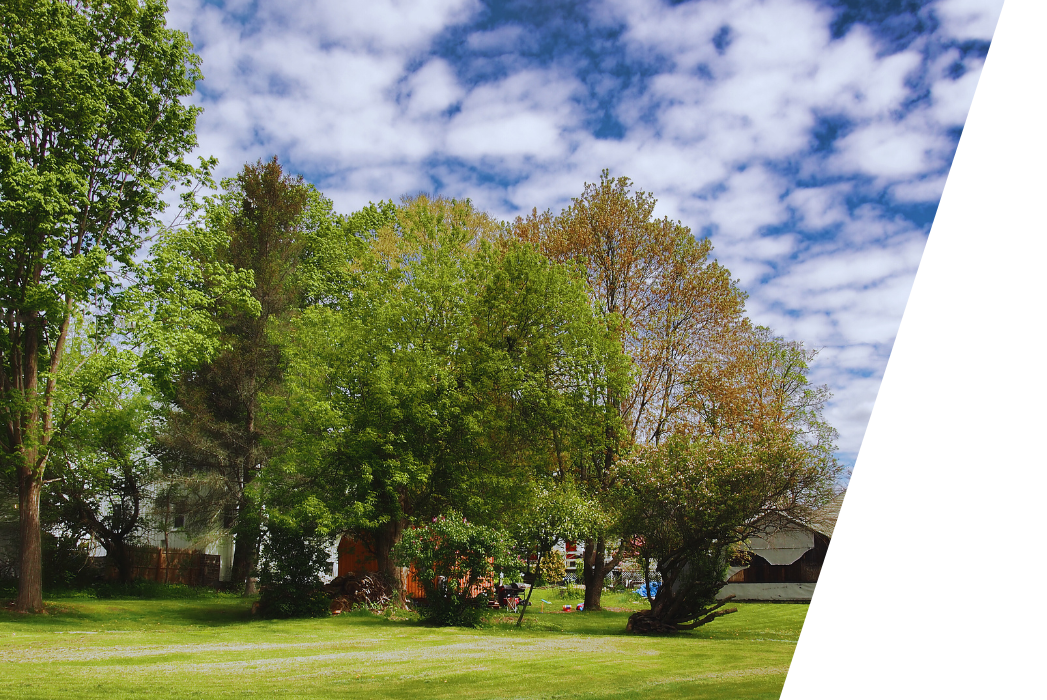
<point>385,537</point>
<point>655,620</point>
<point>121,553</point>
<point>592,573</point>
<point>245,549</point>
<point>248,533</point>
<point>30,560</point>
<point>527,603</point>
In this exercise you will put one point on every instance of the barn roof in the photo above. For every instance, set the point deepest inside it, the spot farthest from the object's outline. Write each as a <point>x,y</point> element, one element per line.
<point>823,520</point>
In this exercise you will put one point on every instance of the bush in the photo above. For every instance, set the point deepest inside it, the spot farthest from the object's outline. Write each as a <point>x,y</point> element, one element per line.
<point>64,560</point>
<point>463,559</point>
<point>289,572</point>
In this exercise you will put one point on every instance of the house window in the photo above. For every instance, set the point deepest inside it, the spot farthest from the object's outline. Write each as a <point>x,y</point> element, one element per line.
<point>179,521</point>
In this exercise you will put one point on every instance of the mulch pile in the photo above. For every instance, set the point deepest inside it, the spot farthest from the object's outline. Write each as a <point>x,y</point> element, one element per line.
<point>351,591</point>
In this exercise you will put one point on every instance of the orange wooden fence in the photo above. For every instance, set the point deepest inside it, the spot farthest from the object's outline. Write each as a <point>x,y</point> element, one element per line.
<point>355,557</point>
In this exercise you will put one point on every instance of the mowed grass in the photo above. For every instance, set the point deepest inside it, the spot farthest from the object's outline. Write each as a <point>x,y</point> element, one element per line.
<point>212,648</point>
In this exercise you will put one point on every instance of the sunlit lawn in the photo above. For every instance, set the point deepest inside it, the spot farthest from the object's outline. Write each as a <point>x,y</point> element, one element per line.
<point>204,648</point>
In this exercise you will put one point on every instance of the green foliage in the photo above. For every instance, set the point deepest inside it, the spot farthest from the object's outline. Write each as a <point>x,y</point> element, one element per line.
<point>571,592</point>
<point>691,501</point>
<point>149,590</point>
<point>293,556</point>
<point>268,246</point>
<point>64,560</point>
<point>456,562</point>
<point>93,127</point>
<point>448,375</point>
<point>103,475</point>
<point>545,515</point>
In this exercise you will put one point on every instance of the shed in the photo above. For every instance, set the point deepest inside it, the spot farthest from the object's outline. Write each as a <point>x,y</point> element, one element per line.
<point>786,559</point>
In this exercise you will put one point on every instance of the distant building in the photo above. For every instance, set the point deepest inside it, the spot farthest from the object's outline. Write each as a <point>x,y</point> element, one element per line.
<point>786,560</point>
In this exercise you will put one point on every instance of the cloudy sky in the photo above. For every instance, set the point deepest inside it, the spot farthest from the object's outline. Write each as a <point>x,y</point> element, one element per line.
<point>810,140</point>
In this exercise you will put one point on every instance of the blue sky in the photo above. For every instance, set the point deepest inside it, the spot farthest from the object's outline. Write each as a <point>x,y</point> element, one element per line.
<point>809,140</point>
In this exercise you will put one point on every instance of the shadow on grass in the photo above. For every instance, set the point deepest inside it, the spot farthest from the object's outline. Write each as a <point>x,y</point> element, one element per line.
<point>771,623</point>
<point>136,613</point>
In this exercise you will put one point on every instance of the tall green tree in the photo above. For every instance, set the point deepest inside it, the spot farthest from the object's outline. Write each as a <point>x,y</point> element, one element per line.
<point>281,233</point>
<point>93,126</point>
<point>375,416</point>
<point>444,377</point>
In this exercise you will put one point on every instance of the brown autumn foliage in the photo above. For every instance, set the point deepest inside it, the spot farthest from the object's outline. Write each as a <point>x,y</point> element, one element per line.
<point>683,313</point>
<point>682,319</point>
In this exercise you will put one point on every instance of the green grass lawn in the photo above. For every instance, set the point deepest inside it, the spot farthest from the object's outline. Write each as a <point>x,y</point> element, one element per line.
<point>212,648</point>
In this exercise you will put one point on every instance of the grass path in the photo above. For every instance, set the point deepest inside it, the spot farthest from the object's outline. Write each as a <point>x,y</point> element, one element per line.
<point>211,648</point>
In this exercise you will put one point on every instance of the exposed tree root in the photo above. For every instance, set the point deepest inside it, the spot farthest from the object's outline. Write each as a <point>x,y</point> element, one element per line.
<point>649,622</point>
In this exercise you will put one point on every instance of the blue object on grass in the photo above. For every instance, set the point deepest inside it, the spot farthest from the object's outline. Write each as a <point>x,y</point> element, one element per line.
<point>651,590</point>
<point>545,601</point>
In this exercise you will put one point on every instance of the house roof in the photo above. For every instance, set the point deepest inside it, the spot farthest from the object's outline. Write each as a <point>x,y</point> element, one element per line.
<point>823,520</point>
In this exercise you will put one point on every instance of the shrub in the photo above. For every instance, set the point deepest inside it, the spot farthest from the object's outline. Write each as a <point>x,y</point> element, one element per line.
<point>463,559</point>
<point>64,560</point>
<point>289,572</point>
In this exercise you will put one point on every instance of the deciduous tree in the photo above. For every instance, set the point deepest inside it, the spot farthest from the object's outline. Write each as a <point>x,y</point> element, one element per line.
<point>691,502</point>
<point>680,316</point>
<point>102,472</point>
<point>92,127</point>
<point>444,376</point>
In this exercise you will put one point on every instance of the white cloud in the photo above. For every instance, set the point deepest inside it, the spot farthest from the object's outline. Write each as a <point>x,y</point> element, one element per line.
<point>432,88</point>
<point>354,94</point>
<point>952,98</point>
<point>969,19</point>
<point>750,201</point>
<point>926,189</point>
<point>504,39</point>
<point>886,150</point>
<point>523,114</point>
<point>389,26</point>
<point>820,207</point>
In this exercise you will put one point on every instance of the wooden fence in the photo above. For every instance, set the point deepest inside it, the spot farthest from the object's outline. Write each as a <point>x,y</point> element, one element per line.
<point>187,566</point>
<point>355,557</point>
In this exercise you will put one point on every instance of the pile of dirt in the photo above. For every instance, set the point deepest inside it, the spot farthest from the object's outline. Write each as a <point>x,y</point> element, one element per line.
<point>350,591</point>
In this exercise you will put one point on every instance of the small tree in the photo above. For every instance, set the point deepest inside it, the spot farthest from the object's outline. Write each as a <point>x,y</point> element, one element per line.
<point>103,473</point>
<point>456,562</point>
<point>547,515</point>
<point>690,503</point>
<point>553,568</point>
